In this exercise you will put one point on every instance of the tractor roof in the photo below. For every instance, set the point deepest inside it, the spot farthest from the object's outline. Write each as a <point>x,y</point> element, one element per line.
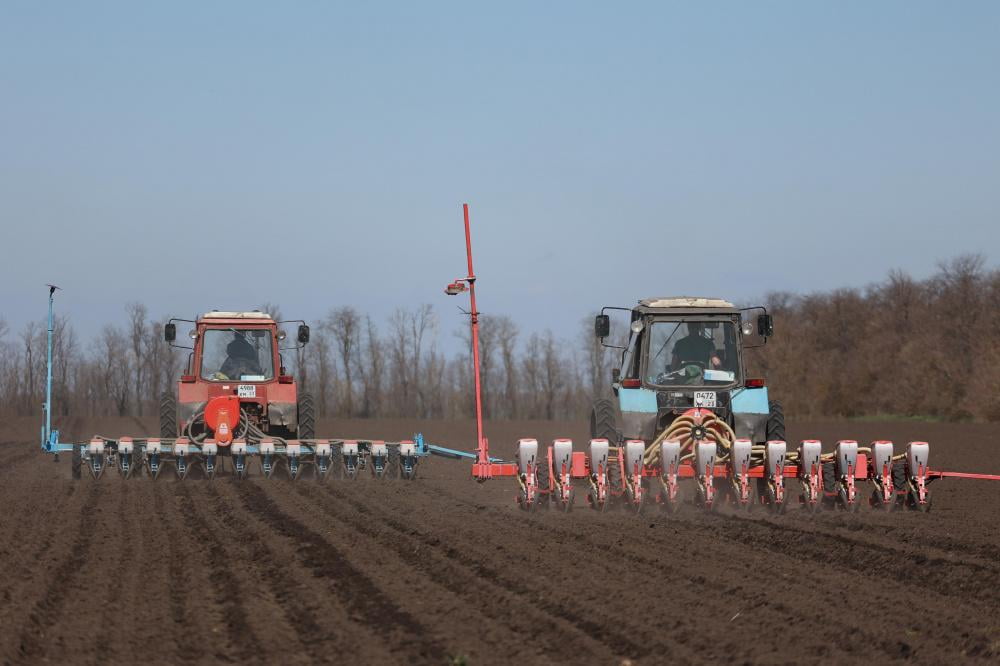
<point>256,317</point>
<point>688,303</point>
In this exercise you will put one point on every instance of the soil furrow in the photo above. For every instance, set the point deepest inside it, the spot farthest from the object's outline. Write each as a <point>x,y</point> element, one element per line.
<point>603,534</point>
<point>225,586</point>
<point>444,569</point>
<point>294,623</point>
<point>519,615</point>
<point>46,611</point>
<point>403,632</point>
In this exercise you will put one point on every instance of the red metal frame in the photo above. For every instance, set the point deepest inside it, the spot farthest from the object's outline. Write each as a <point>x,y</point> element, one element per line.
<point>483,447</point>
<point>483,469</point>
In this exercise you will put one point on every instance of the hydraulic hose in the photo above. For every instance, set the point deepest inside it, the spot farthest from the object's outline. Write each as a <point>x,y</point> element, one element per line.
<point>682,430</point>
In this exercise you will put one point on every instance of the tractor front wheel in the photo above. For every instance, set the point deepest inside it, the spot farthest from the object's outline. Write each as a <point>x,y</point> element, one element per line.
<point>603,421</point>
<point>775,422</point>
<point>306,417</point>
<point>168,416</point>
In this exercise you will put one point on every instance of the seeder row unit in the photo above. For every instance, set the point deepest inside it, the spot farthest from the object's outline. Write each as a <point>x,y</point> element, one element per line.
<point>342,458</point>
<point>636,475</point>
<point>319,458</point>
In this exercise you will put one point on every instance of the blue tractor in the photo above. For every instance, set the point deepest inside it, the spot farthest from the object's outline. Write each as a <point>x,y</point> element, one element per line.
<point>683,354</point>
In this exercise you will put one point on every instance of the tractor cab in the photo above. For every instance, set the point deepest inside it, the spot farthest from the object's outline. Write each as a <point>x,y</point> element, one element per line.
<point>235,380</point>
<point>680,354</point>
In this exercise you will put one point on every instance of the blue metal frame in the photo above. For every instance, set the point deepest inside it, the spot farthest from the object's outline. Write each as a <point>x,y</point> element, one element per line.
<point>50,438</point>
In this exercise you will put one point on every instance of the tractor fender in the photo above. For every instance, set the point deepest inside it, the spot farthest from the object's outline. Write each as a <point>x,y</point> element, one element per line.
<point>638,413</point>
<point>284,414</point>
<point>750,411</point>
<point>188,410</point>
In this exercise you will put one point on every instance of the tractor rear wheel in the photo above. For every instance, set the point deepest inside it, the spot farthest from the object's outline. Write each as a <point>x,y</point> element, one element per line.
<point>168,415</point>
<point>775,422</point>
<point>306,416</point>
<point>604,425</point>
<point>603,421</point>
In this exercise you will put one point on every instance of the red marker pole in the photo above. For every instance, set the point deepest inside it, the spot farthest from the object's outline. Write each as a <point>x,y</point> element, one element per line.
<point>483,458</point>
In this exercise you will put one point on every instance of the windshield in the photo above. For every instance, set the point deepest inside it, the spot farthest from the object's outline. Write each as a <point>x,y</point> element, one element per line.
<point>692,353</point>
<point>237,355</point>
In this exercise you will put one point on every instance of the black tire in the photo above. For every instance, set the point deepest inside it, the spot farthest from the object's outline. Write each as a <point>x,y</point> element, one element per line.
<point>306,416</point>
<point>77,462</point>
<point>542,478</point>
<point>168,416</point>
<point>615,485</point>
<point>775,422</point>
<point>604,425</point>
<point>603,421</point>
<point>831,485</point>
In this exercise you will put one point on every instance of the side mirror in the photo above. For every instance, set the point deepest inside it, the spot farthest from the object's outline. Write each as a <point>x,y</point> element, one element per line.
<point>602,326</point>
<point>765,326</point>
<point>303,334</point>
<point>170,332</point>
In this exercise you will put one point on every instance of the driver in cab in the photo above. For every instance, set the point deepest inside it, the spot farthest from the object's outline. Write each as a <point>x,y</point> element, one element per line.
<point>695,348</point>
<point>241,360</point>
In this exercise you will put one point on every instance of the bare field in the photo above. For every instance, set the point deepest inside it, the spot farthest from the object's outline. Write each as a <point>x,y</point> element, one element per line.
<point>442,567</point>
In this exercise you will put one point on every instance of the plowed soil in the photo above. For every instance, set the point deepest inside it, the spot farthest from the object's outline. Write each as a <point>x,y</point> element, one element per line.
<point>442,569</point>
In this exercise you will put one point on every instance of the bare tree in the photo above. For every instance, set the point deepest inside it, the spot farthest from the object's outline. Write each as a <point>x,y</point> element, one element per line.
<point>64,354</point>
<point>345,325</point>
<point>114,368</point>
<point>552,375</point>
<point>507,332</point>
<point>324,377</point>
<point>29,340</point>
<point>531,375</point>
<point>422,323</point>
<point>272,309</point>
<point>371,368</point>
<point>160,360</point>
<point>138,330</point>
<point>597,360</point>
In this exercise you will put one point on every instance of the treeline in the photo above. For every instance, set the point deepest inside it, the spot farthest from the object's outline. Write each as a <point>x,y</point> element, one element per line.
<point>356,368</point>
<point>927,348</point>
<point>353,366</point>
<point>923,348</point>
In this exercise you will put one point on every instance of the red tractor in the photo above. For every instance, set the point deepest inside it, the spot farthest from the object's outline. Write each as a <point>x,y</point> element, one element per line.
<point>235,385</point>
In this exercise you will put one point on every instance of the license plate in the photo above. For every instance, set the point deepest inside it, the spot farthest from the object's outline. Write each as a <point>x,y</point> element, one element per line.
<point>250,391</point>
<point>704,398</point>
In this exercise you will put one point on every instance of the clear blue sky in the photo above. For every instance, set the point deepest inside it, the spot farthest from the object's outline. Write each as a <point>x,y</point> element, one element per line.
<point>220,154</point>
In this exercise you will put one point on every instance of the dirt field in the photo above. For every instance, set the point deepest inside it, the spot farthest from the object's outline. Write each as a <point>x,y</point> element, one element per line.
<point>443,568</point>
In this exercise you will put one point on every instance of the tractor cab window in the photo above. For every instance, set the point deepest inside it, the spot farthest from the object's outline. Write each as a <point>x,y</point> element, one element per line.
<point>230,354</point>
<point>692,353</point>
